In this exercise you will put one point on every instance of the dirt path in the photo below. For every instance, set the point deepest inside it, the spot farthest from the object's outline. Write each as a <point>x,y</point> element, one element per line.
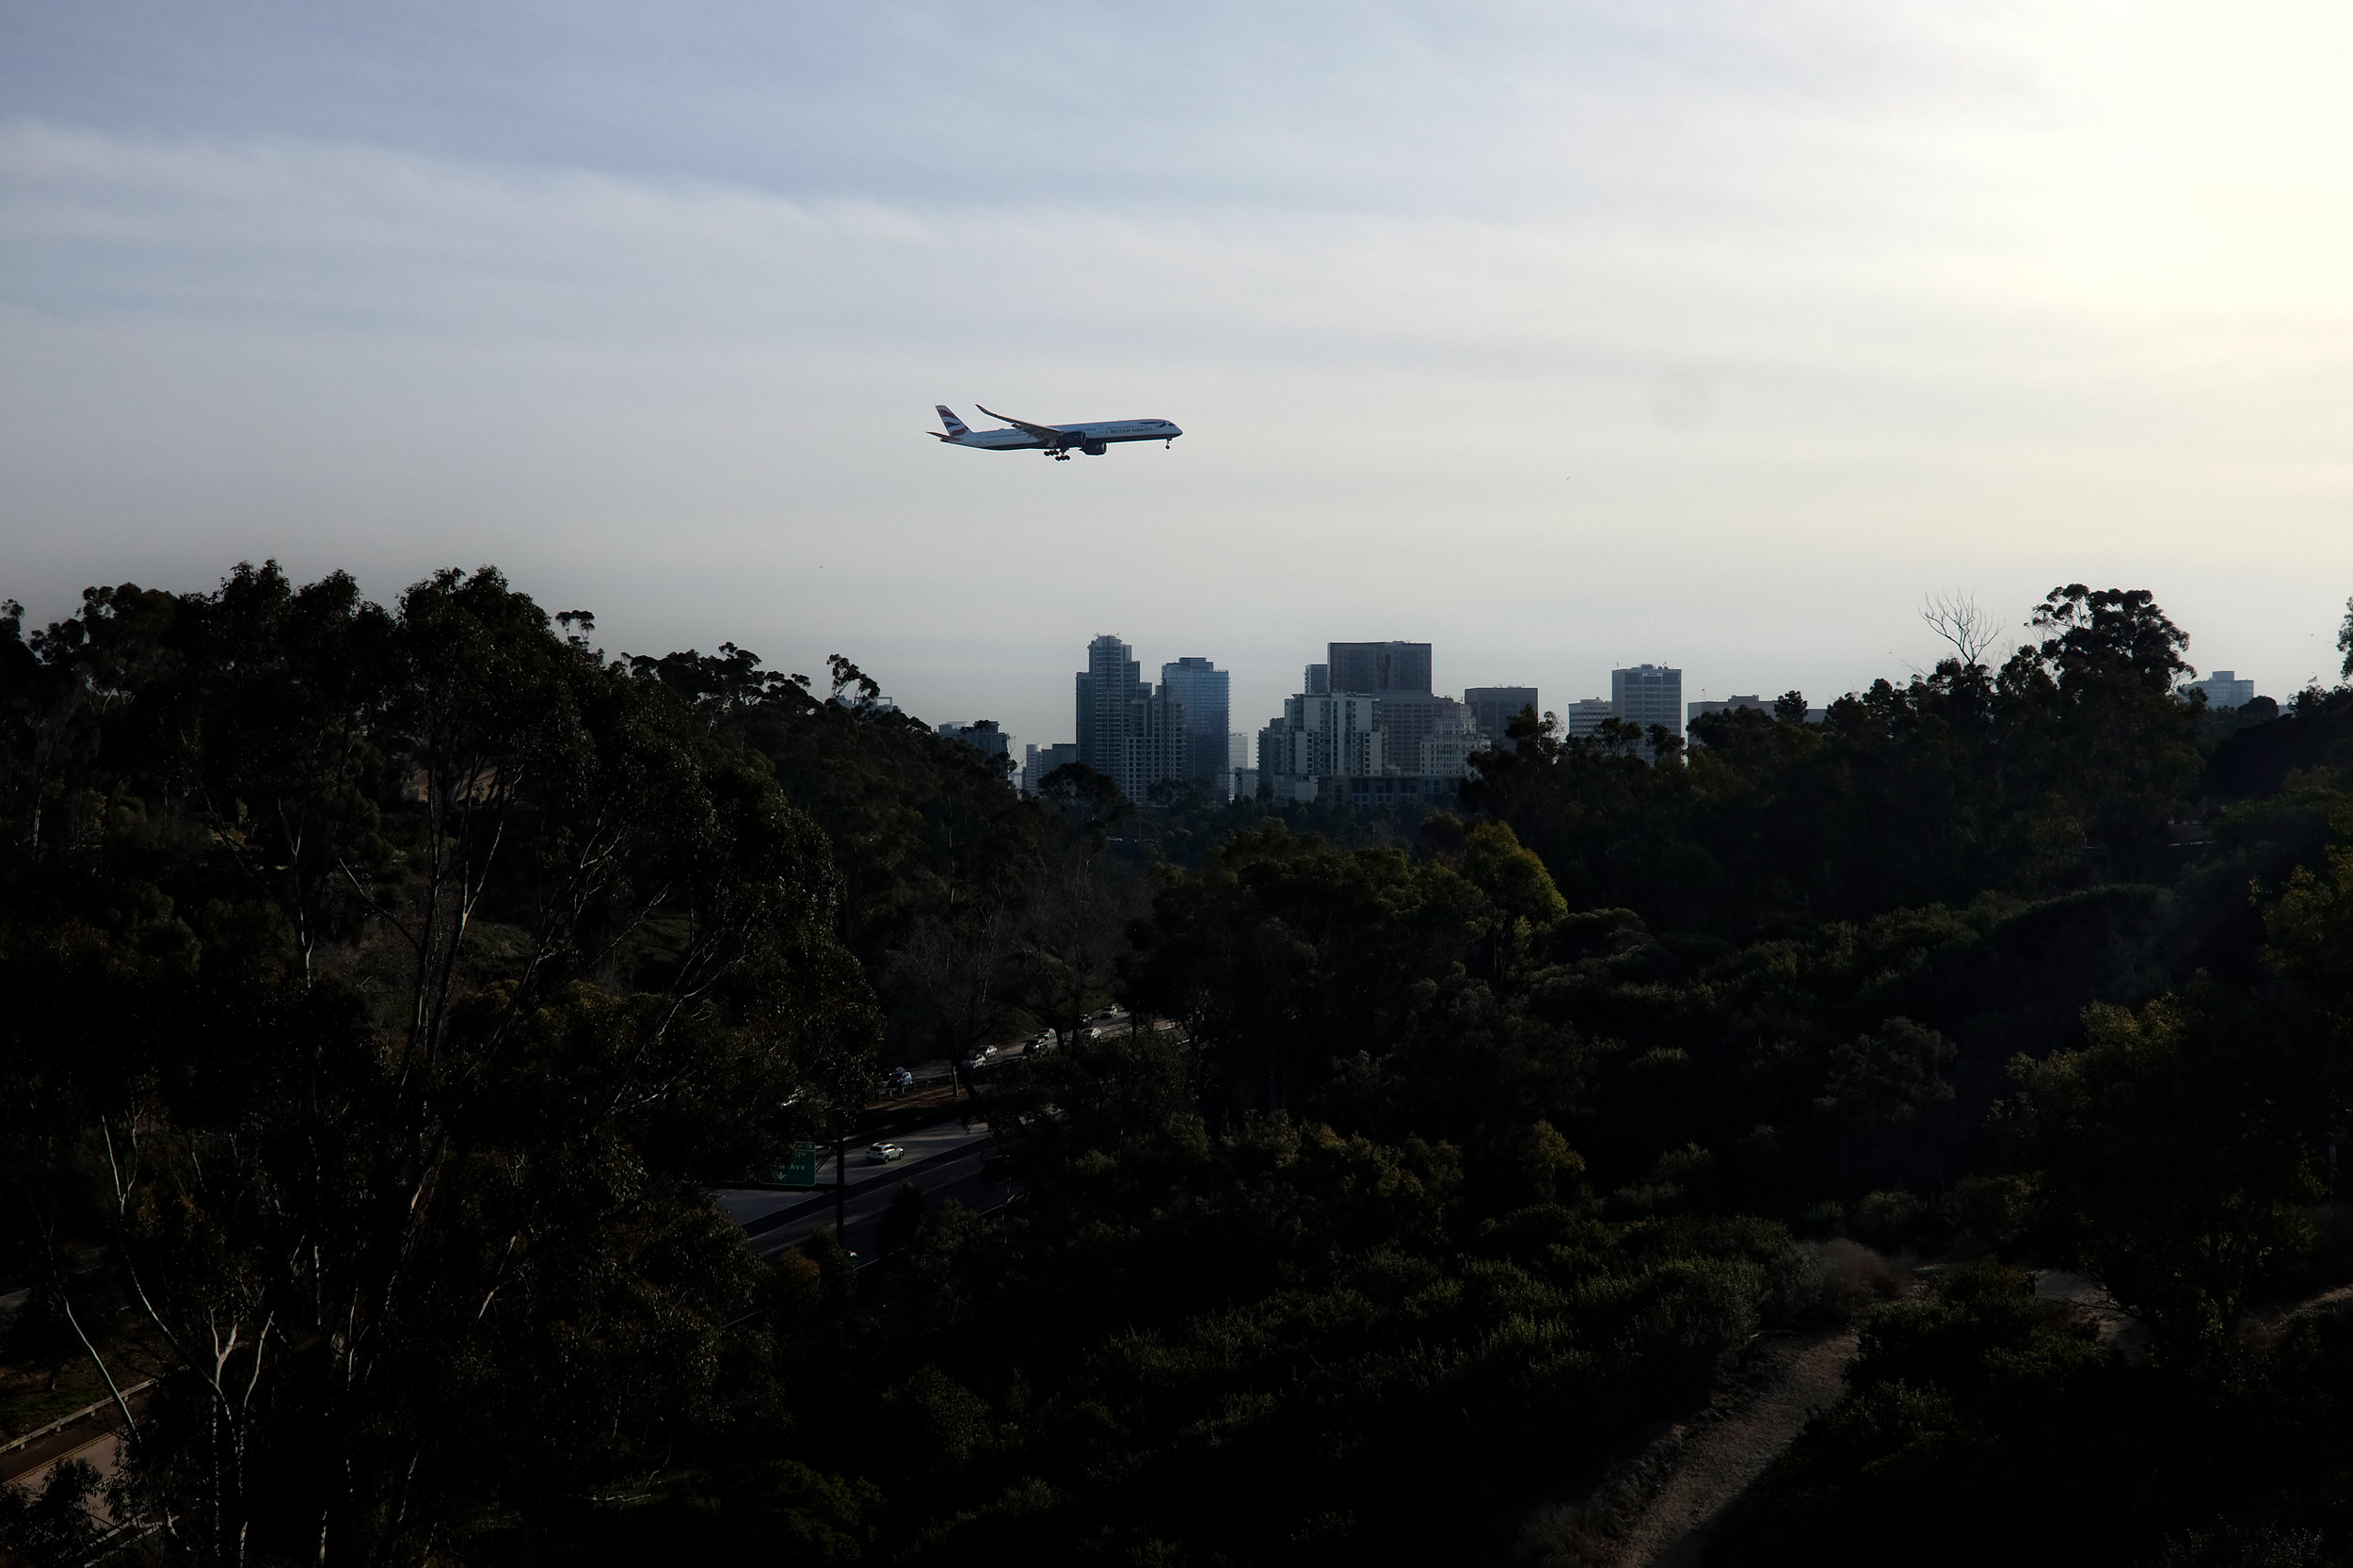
<point>1666,1506</point>
<point>1720,1458</point>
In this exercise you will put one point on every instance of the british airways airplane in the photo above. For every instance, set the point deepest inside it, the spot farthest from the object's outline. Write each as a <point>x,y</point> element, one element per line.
<point>1093,438</point>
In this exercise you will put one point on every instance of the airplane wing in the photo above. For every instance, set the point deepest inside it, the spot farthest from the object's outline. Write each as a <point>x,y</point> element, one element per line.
<point>1046,433</point>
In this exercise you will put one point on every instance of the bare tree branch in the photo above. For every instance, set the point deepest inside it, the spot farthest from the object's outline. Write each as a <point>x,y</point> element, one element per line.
<point>1955,617</point>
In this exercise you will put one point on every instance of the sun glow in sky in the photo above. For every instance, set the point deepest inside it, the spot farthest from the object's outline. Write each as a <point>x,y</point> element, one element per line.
<point>1559,336</point>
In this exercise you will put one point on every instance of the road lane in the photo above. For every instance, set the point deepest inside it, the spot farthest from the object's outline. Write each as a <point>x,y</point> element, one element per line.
<point>946,1161</point>
<point>959,1174</point>
<point>748,1206</point>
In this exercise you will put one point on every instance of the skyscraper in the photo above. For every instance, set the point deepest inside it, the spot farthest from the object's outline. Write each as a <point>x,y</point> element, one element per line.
<point>1398,675</point>
<point>1128,732</point>
<point>1320,734</point>
<point>1647,695</point>
<point>1199,687</point>
<point>1495,707</point>
<point>1380,668</point>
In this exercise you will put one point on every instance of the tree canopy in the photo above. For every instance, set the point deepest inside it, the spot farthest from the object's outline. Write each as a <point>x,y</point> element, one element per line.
<point>390,986</point>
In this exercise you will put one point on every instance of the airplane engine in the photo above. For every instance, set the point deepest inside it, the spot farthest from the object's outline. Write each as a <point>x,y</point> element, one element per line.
<point>1095,449</point>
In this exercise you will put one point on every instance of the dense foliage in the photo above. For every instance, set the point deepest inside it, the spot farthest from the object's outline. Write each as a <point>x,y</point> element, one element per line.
<point>388,987</point>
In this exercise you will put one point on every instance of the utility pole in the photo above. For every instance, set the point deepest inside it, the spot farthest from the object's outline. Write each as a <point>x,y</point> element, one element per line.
<point>840,1188</point>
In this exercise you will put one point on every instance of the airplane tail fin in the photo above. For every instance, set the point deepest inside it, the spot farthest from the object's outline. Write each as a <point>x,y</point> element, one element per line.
<point>955,426</point>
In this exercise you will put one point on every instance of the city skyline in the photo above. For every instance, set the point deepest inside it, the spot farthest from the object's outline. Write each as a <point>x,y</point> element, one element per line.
<point>1660,693</point>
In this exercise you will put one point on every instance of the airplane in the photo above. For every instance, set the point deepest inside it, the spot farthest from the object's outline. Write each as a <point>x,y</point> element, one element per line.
<point>1093,438</point>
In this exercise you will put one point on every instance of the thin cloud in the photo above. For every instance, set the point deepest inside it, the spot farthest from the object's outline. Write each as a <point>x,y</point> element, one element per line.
<point>1982,298</point>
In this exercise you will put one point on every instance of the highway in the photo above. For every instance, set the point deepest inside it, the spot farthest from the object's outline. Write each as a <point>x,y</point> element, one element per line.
<point>945,1158</point>
<point>944,1161</point>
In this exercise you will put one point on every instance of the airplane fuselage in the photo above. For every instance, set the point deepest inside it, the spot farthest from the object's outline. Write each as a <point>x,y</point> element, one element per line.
<point>1093,437</point>
<point>1098,432</point>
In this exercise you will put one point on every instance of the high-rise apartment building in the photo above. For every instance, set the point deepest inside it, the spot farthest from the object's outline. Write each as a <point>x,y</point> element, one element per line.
<point>1320,734</point>
<point>1494,707</point>
<point>1380,667</point>
<point>1200,688</point>
<point>1367,730</point>
<point>1398,675</point>
<point>1452,740</point>
<point>1406,719</point>
<point>1130,733</point>
<point>1648,695</point>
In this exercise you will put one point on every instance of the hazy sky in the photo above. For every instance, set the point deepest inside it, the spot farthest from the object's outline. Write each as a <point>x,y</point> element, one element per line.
<point>1559,335</point>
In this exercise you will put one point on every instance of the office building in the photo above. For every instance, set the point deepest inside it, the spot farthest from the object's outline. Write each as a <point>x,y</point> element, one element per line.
<point>1380,667</point>
<point>1200,689</point>
<point>1129,732</point>
<point>1583,716</point>
<point>1494,707</point>
<point>1398,675</point>
<point>1405,720</point>
<point>2223,689</point>
<point>982,735</point>
<point>1367,730</point>
<point>1694,710</point>
<point>1648,695</point>
<point>1038,762</point>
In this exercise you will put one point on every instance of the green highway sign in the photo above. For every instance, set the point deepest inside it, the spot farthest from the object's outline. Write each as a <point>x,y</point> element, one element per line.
<point>801,1171</point>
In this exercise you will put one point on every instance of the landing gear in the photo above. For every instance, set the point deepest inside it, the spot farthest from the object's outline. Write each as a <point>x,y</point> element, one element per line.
<point>1060,455</point>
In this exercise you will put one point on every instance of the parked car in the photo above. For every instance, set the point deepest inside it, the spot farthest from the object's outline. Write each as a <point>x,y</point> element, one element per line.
<point>882,1154</point>
<point>898,1080</point>
<point>982,1057</point>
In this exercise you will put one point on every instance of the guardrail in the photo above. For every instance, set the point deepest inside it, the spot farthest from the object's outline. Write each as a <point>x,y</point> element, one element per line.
<point>83,1415</point>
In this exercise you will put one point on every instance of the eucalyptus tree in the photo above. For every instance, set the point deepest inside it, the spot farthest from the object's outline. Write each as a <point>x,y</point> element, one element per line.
<point>390,985</point>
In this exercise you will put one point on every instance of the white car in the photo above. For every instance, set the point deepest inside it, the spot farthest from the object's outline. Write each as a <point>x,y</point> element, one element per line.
<point>883,1154</point>
<point>982,1057</point>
